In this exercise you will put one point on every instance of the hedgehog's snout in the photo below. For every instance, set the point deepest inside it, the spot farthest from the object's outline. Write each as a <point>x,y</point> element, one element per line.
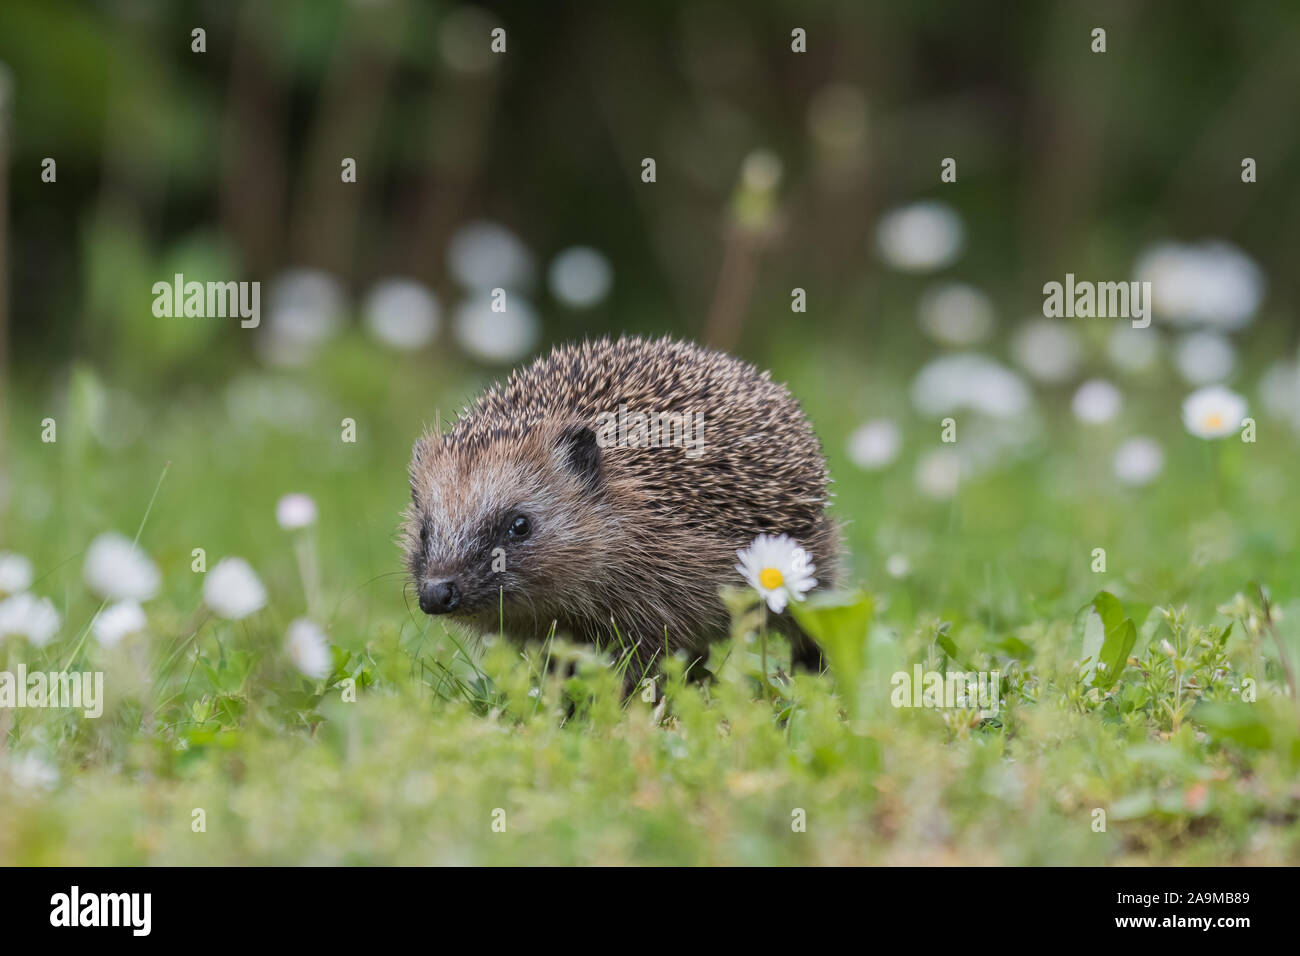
<point>439,597</point>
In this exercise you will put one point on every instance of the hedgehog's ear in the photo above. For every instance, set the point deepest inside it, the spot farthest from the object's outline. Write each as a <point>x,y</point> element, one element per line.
<point>581,454</point>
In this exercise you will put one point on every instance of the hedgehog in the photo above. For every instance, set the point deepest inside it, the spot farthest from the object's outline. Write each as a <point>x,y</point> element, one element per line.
<point>604,491</point>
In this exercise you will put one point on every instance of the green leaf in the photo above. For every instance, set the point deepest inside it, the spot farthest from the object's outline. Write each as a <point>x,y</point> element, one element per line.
<point>1109,609</point>
<point>1014,647</point>
<point>1114,654</point>
<point>1108,639</point>
<point>1239,723</point>
<point>1093,634</point>
<point>944,641</point>
<point>839,622</point>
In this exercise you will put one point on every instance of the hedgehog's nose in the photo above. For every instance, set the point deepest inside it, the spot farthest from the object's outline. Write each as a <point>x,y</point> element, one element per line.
<point>439,597</point>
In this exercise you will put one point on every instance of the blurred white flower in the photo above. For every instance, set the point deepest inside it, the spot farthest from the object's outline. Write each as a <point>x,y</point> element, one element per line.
<point>922,237</point>
<point>954,313</point>
<point>118,570</point>
<point>778,569</point>
<point>15,573</point>
<point>118,621</point>
<point>233,590</point>
<point>305,311</point>
<point>1133,350</point>
<point>897,566</point>
<point>938,473</point>
<point>1048,350</point>
<point>579,277</point>
<point>484,255</point>
<point>308,649</point>
<point>1211,283</point>
<point>875,444</point>
<point>1213,412</point>
<point>33,773</point>
<point>969,381</point>
<point>295,511</point>
<point>497,337</point>
<point>1139,461</point>
<point>1203,358</point>
<point>401,313</point>
<point>25,615</point>
<point>1096,402</point>
<point>308,290</point>
<point>761,170</point>
<point>1279,392</point>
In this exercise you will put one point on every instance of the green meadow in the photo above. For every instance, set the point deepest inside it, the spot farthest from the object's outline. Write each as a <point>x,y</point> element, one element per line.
<point>428,745</point>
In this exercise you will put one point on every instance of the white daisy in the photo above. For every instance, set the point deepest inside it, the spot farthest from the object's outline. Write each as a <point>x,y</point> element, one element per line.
<point>1213,412</point>
<point>778,569</point>
<point>401,313</point>
<point>969,381</point>
<point>306,310</point>
<point>1204,358</point>
<point>921,237</point>
<point>118,570</point>
<point>484,255</point>
<point>118,621</point>
<point>1096,402</point>
<point>938,473</point>
<point>295,511</point>
<point>580,277</point>
<point>1211,283</point>
<point>25,615</point>
<point>875,444</point>
<point>233,590</point>
<point>499,338</point>
<point>1139,461</point>
<point>15,573</point>
<point>308,649</point>
<point>1047,349</point>
<point>1133,350</point>
<point>954,313</point>
<point>1279,392</point>
<point>897,566</point>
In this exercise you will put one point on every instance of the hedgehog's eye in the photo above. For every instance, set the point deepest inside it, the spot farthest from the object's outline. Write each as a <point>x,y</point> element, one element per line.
<point>519,528</point>
<point>424,534</point>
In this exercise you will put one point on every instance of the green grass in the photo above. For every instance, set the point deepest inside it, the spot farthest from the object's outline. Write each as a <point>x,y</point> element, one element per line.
<point>444,732</point>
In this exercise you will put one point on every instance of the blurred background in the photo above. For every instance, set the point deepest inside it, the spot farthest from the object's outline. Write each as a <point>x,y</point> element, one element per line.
<point>797,217</point>
<point>775,170</point>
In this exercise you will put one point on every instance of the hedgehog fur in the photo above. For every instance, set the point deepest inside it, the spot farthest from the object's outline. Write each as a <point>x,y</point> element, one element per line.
<point>525,515</point>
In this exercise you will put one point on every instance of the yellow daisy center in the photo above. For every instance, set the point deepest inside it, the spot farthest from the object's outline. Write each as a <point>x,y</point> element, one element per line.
<point>771,578</point>
<point>1214,420</point>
